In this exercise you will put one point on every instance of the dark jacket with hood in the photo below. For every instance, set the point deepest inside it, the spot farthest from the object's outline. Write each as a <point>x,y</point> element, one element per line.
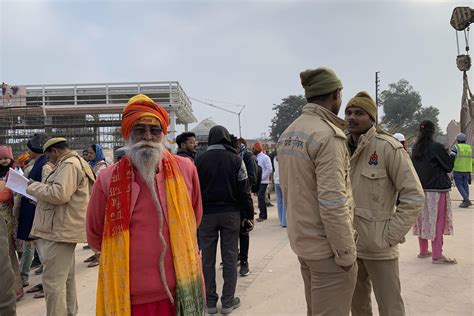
<point>223,177</point>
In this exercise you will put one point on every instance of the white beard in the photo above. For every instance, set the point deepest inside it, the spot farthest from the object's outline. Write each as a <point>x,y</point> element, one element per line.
<point>146,158</point>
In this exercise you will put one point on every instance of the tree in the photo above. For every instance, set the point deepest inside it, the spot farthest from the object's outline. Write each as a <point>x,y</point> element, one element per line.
<point>403,110</point>
<point>286,112</point>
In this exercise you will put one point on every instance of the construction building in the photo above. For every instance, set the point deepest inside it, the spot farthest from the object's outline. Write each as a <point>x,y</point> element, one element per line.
<point>84,114</point>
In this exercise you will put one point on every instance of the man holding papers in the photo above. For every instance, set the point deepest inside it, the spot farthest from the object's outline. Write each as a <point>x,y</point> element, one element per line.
<point>60,222</point>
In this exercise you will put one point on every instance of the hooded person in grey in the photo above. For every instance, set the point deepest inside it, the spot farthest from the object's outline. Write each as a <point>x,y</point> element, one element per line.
<point>226,205</point>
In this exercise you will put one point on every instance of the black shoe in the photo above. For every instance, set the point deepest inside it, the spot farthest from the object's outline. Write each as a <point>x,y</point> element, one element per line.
<point>469,203</point>
<point>244,269</point>
<point>39,270</point>
<point>464,204</point>
<point>36,288</point>
<point>261,219</point>
<point>230,309</point>
<point>211,310</point>
<point>35,264</point>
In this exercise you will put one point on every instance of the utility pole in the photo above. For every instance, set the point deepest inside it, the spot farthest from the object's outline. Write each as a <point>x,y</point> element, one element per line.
<point>377,81</point>
<point>224,109</point>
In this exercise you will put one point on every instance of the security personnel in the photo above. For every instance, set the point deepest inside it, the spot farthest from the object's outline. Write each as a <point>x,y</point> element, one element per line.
<point>381,170</point>
<point>60,222</point>
<point>314,177</point>
<point>462,155</point>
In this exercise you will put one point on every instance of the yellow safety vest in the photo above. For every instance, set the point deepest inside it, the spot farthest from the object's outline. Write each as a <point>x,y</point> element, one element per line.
<point>463,161</point>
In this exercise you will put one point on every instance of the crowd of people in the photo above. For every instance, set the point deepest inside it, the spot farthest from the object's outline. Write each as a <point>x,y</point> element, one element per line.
<point>347,193</point>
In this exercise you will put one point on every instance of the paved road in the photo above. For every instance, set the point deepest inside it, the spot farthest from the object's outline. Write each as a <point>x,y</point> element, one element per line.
<point>275,286</point>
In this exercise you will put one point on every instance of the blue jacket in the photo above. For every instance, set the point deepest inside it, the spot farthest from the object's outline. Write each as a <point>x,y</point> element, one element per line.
<point>27,207</point>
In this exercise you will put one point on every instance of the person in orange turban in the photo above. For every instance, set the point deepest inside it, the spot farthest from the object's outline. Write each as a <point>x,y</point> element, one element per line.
<point>23,159</point>
<point>257,147</point>
<point>142,109</point>
<point>170,280</point>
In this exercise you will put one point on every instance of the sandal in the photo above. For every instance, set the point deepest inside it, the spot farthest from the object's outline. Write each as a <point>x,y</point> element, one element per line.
<point>444,260</point>
<point>424,255</point>
<point>91,258</point>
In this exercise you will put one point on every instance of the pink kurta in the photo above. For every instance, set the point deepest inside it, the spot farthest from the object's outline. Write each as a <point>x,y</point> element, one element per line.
<point>145,246</point>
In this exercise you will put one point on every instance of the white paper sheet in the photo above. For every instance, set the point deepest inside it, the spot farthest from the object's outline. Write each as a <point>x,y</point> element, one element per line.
<point>18,183</point>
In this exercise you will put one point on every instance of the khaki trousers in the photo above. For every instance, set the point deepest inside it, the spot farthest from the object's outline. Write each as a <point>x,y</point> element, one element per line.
<point>59,282</point>
<point>7,277</point>
<point>384,276</point>
<point>328,287</point>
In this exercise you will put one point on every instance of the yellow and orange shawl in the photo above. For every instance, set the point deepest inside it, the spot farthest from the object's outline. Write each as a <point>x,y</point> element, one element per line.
<point>113,290</point>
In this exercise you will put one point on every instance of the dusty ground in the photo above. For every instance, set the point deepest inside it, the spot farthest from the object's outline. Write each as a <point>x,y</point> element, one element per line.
<point>275,286</point>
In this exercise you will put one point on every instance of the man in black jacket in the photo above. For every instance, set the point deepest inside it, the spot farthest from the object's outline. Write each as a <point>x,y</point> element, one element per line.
<point>225,196</point>
<point>186,145</point>
<point>249,160</point>
<point>252,171</point>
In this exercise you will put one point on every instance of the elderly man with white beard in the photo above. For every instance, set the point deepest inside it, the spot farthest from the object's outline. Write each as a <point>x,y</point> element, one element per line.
<point>143,216</point>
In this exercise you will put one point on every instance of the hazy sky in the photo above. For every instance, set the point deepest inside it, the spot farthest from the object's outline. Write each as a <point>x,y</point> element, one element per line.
<point>245,52</point>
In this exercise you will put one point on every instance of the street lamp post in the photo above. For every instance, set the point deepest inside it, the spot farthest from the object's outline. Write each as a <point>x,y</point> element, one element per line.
<point>226,110</point>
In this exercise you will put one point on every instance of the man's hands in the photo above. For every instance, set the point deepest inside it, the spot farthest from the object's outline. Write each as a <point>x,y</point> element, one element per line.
<point>247,225</point>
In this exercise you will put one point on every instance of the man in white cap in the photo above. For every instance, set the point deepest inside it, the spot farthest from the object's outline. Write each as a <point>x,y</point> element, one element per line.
<point>60,222</point>
<point>401,138</point>
<point>462,155</point>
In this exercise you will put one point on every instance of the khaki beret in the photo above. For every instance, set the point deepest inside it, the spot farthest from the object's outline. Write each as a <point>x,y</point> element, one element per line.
<point>53,141</point>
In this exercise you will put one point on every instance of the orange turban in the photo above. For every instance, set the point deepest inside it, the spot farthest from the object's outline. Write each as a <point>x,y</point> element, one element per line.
<point>258,147</point>
<point>23,158</point>
<point>142,108</point>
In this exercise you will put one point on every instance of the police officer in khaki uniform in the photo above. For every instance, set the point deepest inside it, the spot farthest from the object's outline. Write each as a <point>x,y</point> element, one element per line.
<point>314,178</point>
<point>60,223</point>
<point>381,171</point>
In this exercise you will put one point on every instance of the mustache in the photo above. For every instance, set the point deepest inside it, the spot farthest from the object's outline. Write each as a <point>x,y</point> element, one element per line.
<point>143,144</point>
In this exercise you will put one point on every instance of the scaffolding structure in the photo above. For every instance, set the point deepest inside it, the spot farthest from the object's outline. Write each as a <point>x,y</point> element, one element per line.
<point>84,114</point>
